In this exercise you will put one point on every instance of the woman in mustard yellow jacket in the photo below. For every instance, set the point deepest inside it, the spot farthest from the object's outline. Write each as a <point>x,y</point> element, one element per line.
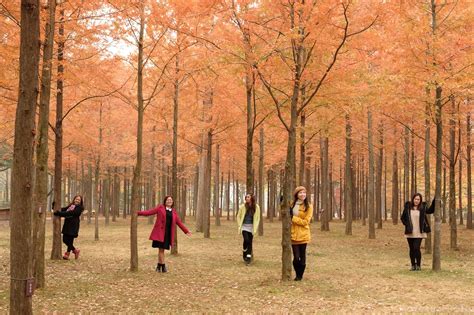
<point>248,219</point>
<point>301,213</point>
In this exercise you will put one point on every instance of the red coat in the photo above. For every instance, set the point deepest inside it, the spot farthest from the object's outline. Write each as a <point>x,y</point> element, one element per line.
<point>158,232</point>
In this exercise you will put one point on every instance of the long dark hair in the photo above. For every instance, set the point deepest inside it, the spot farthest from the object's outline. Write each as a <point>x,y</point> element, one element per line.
<point>250,208</point>
<point>305,201</point>
<point>82,201</point>
<point>166,198</point>
<point>412,204</point>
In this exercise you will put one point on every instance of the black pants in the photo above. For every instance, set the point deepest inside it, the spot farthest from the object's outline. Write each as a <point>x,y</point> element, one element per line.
<point>299,253</point>
<point>247,245</point>
<point>415,252</point>
<point>299,259</point>
<point>69,241</point>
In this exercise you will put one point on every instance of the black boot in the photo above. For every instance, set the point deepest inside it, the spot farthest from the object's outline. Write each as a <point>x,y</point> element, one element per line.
<point>297,267</point>
<point>158,267</point>
<point>163,268</point>
<point>302,268</point>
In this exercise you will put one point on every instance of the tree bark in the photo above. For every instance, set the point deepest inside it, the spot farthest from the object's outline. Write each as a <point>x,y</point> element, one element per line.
<point>201,202</point>
<point>325,193</point>
<point>452,177</point>
<point>261,182</point>
<point>395,191</point>
<point>469,172</point>
<point>42,151</point>
<point>378,179</point>
<point>138,166</point>
<point>427,174</point>
<point>348,210</point>
<point>58,154</point>
<point>174,163</point>
<point>216,188</point>
<point>445,198</point>
<point>461,219</point>
<point>249,86</point>
<point>371,184</point>
<point>227,199</point>
<point>406,166</point>
<point>23,170</point>
<point>98,186</point>
<point>207,186</point>
<point>439,156</point>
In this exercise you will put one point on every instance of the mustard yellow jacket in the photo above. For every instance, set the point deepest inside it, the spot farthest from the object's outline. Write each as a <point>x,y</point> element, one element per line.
<point>241,216</point>
<point>300,233</point>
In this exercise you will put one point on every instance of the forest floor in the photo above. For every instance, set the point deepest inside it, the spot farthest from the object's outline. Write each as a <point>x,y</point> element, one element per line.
<point>344,274</point>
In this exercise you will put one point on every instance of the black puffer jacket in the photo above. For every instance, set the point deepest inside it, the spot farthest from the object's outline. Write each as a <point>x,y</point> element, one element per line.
<point>72,220</point>
<point>424,223</point>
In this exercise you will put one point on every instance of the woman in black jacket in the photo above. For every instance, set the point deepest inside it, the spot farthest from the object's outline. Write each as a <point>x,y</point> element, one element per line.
<point>70,231</point>
<point>416,226</point>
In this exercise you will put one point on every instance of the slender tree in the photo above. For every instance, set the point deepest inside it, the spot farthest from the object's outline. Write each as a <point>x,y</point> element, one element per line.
<point>23,170</point>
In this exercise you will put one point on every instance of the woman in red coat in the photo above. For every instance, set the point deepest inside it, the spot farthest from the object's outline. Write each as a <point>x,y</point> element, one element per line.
<point>162,235</point>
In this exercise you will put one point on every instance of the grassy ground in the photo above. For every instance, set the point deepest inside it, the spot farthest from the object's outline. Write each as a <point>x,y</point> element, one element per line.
<point>344,274</point>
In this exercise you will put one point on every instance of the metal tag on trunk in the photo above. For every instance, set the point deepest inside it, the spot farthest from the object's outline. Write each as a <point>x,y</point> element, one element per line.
<point>30,287</point>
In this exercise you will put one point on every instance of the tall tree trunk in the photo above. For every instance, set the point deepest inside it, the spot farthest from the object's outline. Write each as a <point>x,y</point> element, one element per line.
<point>427,174</point>
<point>469,172</point>
<point>371,187</point>
<point>378,180</point>
<point>315,191</point>
<point>461,219</point>
<point>90,192</point>
<point>42,151</point>
<point>331,192</point>
<point>289,185</point>
<point>452,177</point>
<point>107,198</point>
<point>445,198</point>
<point>125,193</point>
<point>98,186</point>
<point>227,199</point>
<point>138,166</point>
<point>348,178</point>
<point>413,166</point>
<point>207,188</point>
<point>406,166</point>
<point>174,167</point>
<point>195,188</point>
<point>302,149</point>
<point>23,170</point>
<point>385,210</point>
<point>201,202</point>
<point>236,196</point>
<point>249,85</point>
<point>261,190</point>
<point>115,200</point>
<point>324,184</point>
<point>58,154</point>
<point>271,194</point>
<point>341,192</point>
<point>216,188</point>
<point>395,191</point>
<point>439,157</point>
